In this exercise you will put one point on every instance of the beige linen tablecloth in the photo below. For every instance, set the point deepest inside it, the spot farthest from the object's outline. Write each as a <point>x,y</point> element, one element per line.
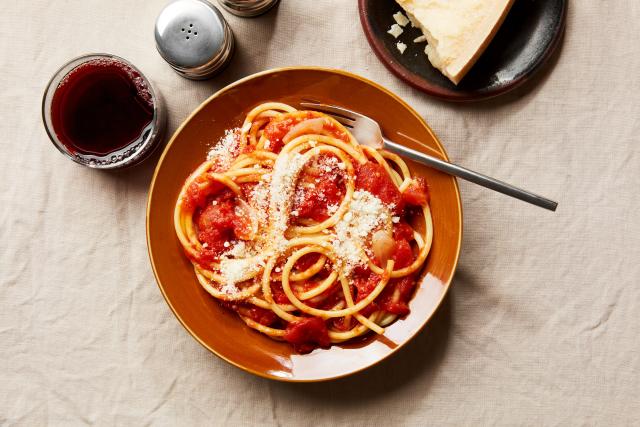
<point>542,323</point>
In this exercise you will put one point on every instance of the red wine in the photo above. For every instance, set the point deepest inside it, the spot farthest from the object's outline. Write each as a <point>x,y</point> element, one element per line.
<point>102,106</point>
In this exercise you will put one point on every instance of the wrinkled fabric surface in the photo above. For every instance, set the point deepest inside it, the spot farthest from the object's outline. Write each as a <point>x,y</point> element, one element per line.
<point>542,322</point>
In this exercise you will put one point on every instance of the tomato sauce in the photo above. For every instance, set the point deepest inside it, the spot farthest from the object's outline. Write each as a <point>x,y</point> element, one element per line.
<point>278,293</point>
<point>199,191</point>
<point>373,178</point>
<point>307,334</point>
<point>257,314</point>
<point>417,194</point>
<point>318,188</point>
<point>306,261</point>
<point>217,220</point>
<point>276,130</point>
<point>365,283</point>
<point>402,231</point>
<point>404,286</point>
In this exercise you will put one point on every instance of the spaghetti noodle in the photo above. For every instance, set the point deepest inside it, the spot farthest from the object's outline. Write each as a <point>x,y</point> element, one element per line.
<point>309,236</point>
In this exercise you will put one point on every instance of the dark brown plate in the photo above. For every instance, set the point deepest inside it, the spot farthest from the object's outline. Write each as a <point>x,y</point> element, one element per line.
<point>527,38</point>
<point>223,332</point>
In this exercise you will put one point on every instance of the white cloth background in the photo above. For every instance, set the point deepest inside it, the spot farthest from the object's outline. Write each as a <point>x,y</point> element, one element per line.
<point>542,323</point>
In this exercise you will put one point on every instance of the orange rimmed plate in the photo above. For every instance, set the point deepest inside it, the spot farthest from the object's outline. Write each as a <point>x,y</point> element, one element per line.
<point>221,331</point>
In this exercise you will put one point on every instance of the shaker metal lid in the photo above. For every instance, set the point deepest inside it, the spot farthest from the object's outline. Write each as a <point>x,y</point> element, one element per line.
<point>247,8</point>
<point>190,34</point>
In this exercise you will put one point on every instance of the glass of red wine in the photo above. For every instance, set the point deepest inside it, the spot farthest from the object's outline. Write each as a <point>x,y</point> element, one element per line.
<point>102,112</point>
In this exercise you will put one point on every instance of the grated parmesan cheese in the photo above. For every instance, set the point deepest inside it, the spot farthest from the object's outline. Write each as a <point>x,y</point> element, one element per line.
<point>366,212</point>
<point>259,200</point>
<point>239,250</point>
<point>226,149</point>
<point>283,182</point>
<point>236,270</point>
<point>401,47</point>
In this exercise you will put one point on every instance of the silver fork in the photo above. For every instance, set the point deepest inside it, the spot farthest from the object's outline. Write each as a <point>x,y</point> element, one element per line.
<point>368,132</point>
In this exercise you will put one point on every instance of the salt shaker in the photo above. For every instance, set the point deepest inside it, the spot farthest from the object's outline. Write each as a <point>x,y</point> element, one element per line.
<point>194,38</point>
<point>247,8</point>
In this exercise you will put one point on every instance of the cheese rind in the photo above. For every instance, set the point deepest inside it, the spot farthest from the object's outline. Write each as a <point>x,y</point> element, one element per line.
<point>457,31</point>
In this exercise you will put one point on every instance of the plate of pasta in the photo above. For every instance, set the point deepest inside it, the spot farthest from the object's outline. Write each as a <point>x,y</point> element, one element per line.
<point>287,247</point>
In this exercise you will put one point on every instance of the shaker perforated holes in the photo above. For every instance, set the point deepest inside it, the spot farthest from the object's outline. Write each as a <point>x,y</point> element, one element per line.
<point>191,30</point>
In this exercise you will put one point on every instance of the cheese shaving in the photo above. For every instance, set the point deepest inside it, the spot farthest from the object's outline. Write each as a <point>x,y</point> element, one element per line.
<point>400,19</point>
<point>395,30</point>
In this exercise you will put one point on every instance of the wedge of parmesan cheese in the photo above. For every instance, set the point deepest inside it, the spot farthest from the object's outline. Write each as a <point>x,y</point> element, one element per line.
<point>457,31</point>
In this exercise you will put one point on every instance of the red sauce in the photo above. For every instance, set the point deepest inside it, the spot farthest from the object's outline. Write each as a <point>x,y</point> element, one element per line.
<point>307,334</point>
<point>278,293</point>
<point>307,261</point>
<point>417,194</point>
<point>404,286</point>
<point>402,255</point>
<point>365,283</point>
<point>100,107</point>
<point>327,189</point>
<point>218,222</point>
<point>276,130</point>
<point>257,314</point>
<point>402,231</point>
<point>373,178</point>
<point>199,191</point>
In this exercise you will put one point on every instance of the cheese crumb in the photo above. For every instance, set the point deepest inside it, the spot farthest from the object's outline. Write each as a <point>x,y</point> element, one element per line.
<point>401,47</point>
<point>400,19</point>
<point>395,30</point>
<point>420,39</point>
<point>395,219</point>
<point>226,244</point>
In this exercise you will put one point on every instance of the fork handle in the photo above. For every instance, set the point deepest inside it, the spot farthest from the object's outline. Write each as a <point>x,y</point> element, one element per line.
<point>469,175</point>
